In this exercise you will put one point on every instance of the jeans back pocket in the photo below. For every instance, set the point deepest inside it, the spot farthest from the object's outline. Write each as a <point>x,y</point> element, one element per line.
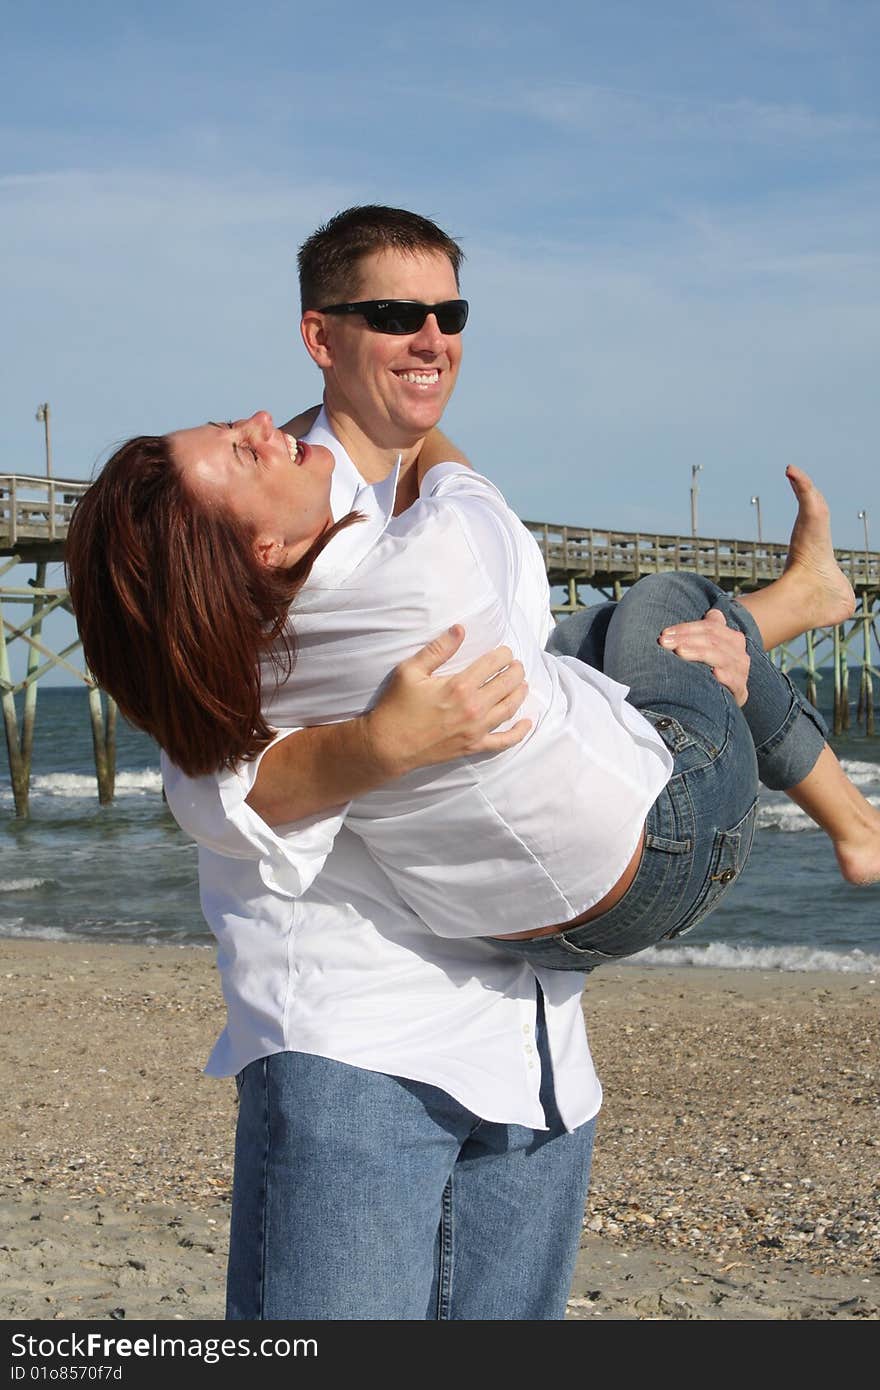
<point>730,852</point>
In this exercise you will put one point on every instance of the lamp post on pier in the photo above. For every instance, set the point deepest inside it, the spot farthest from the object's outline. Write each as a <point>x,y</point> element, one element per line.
<point>42,414</point>
<point>695,469</point>
<point>756,502</point>
<point>863,518</point>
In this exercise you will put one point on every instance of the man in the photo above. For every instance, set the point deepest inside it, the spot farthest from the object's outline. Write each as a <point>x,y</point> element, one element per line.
<point>416,1113</point>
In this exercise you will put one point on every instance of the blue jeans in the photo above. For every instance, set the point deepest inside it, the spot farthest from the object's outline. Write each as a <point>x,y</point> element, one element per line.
<point>699,831</point>
<point>364,1196</point>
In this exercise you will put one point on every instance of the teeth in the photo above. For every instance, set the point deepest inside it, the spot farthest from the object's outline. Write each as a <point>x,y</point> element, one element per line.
<point>292,446</point>
<point>420,378</point>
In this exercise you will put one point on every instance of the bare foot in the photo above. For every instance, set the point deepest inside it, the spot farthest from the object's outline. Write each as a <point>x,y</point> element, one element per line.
<point>859,860</point>
<point>812,575</point>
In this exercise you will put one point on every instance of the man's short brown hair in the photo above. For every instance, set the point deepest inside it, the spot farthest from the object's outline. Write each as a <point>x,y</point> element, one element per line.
<point>329,261</point>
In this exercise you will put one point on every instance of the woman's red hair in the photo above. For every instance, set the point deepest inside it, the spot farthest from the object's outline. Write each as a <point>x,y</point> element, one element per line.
<point>175,610</point>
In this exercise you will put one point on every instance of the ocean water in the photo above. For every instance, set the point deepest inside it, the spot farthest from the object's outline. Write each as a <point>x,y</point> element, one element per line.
<point>79,871</point>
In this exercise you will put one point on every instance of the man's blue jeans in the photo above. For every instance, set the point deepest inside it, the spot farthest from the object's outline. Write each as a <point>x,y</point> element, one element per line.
<point>364,1196</point>
<point>699,831</point>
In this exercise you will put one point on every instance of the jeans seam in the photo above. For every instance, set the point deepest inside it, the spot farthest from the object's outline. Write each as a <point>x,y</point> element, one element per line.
<point>685,817</point>
<point>789,754</point>
<point>444,1279</point>
<point>264,1181</point>
<point>795,709</point>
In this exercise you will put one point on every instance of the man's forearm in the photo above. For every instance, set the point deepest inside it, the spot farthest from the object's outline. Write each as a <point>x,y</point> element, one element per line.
<point>315,770</point>
<point>421,720</point>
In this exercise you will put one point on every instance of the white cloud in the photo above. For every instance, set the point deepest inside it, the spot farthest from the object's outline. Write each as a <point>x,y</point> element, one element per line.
<point>654,116</point>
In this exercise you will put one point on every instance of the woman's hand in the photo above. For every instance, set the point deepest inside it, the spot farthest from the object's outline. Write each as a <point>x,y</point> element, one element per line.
<point>423,719</point>
<point>721,648</point>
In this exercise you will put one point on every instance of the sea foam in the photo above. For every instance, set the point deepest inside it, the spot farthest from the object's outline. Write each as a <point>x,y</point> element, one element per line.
<point>74,786</point>
<point>859,772</point>
<point>777,812</point>
<point>723,956</point>
<point>18,929</point>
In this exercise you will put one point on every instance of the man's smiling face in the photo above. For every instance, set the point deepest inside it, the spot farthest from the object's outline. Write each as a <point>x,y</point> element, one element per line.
<point>394,388</point>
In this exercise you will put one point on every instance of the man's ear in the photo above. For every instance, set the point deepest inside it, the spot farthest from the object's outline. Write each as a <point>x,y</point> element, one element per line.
<point>313,327</point>
<point>270,551</point>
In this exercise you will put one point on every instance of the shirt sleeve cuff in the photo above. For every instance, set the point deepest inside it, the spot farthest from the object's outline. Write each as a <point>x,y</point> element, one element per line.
<point>291,856</point>
<point>215,812</point>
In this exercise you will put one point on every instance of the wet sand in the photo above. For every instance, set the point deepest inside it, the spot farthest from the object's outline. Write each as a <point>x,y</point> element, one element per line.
<point>735,1174</point>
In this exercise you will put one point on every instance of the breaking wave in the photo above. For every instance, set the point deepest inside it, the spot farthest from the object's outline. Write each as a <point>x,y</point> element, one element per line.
<point>723,956</point>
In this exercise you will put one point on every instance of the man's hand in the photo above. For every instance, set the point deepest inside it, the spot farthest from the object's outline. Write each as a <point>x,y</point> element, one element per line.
<point>424,719</point>
<point>720,647</point>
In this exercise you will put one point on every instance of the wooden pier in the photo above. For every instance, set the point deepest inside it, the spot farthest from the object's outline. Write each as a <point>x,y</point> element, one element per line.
<point>612,560</point>
<point>34,514</point>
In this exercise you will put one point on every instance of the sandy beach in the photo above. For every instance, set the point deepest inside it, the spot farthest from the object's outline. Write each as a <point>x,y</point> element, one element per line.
<point>735,1176</point>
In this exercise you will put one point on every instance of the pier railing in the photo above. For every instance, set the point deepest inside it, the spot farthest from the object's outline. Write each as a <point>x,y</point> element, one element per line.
<point>34,514</point>
<point>605,558</point>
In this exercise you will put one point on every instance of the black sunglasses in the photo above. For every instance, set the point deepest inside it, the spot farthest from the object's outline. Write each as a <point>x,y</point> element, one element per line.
<point>400,316</point>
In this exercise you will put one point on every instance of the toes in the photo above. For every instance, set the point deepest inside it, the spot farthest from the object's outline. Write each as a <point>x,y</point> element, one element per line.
<point>809,498</point>
<point>800,474</point>
<point>801,482</point>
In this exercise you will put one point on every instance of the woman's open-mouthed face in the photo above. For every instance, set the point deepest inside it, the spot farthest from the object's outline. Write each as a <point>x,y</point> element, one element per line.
<point>278,487</point>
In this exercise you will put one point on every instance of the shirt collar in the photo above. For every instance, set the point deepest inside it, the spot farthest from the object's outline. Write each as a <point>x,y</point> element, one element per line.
<point>350,492</point>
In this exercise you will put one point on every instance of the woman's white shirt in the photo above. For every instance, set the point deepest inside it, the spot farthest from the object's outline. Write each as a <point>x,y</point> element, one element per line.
<point>496,843</point>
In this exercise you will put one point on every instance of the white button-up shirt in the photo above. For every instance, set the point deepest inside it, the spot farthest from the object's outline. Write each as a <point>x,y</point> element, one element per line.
<point>338,964</point>
<point>504,843</point>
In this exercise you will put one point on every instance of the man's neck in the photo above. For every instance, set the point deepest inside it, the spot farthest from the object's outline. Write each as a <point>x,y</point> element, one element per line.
<point>373,461</point>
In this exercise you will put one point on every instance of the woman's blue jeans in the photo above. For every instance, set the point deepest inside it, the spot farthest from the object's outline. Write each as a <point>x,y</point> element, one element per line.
<point>364,1196</point>
<point>699,831</point>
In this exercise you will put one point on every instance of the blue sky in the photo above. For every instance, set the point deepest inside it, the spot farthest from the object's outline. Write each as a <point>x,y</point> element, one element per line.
<point>670,215</point>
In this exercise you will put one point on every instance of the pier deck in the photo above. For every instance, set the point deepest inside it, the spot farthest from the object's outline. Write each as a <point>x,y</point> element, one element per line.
<point>34,513</point>
<point>611,560</point>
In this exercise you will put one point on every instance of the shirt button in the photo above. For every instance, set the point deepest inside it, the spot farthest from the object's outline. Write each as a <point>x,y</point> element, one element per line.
<point>526,1028</point>
<point>529,1047</point>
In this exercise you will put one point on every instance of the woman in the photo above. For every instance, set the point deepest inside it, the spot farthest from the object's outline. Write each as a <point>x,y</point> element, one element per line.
<point>635,823</point>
